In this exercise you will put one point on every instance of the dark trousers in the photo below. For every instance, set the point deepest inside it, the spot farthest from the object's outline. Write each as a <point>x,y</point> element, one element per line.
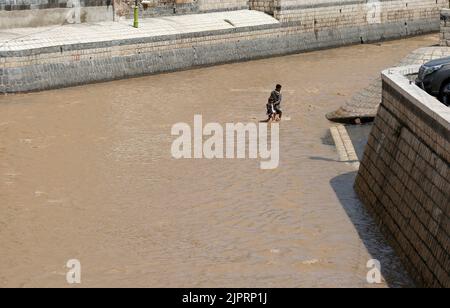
<point>278,110</point>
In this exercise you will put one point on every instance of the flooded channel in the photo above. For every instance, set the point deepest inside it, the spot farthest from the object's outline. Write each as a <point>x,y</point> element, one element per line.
<point>86,173</point>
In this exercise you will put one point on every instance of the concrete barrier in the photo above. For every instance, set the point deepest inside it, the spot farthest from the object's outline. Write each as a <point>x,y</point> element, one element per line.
<point>40,13</point>
<point>38,68</point>
<point>223,5</point>
<point>404,177</point>
<point>55,16</point>
<point>317,14</point>
<point>300,25</point>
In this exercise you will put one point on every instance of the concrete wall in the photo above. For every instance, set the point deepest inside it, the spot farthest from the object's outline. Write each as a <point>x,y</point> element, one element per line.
<point>404,178</point>
<point>19,5</point>
<point>317,14</point>
<point>68,65</point>
<point>223,5</point>
<point>266,6</point>
<point>36,13</point>
<point>168,7</point>
<point>57,16</point>
<point>311,14</point>
<point>182,7</point>
<point>306,25</point>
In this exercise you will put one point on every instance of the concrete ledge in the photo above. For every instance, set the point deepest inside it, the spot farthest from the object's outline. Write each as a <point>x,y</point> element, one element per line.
<point>29,41</point>
<point>404,176</point>
<point>427,104</point>
<point>75,59</point>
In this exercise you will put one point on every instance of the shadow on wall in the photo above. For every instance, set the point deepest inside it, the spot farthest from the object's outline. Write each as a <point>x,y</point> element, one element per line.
<point>392,270</point>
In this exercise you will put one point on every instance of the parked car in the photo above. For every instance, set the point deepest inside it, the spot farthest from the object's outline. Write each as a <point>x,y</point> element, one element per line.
<point>434,78</point>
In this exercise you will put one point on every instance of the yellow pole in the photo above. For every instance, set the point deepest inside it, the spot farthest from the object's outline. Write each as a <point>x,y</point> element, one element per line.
<point>136,15</point>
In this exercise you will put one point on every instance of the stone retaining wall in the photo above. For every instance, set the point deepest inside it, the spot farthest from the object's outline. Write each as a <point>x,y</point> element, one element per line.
<point>266,6</point>
<point>61,66</point>
<point>38,13</point>
<point>306,25</point>
<point>404,178</point>
<point>17,5</point>
<point>223,5</point>
<point>156,8</point>
<point>311,14</point>
<point>322,13</point>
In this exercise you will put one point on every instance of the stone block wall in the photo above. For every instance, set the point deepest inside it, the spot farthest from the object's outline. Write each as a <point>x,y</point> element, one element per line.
<point>180,7</point>
<point>36,13</point>
<point>319,14</point>
<point>404,178</point>
<point>266,6</point>
<point>12,5</point>
<point>223,5</point>
<point>168,7</point>
<point>310,14</point>
<point>155,8</point>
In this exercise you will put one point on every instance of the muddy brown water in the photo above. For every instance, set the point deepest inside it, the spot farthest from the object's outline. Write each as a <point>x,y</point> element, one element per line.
<point>86,173</point>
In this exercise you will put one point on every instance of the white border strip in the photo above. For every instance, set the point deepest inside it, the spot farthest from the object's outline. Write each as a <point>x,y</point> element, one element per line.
<point>395,77</point>
<point>344,145</point>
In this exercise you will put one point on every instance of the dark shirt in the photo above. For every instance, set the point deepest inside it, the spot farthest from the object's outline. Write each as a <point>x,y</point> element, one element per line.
<point>275,98</point>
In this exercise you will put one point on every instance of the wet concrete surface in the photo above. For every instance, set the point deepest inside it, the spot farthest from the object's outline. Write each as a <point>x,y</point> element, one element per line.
<point>86,173</point>
<point>359,135</point>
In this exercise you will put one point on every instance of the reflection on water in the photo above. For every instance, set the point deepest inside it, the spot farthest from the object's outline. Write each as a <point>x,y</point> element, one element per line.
<point>87,173</point>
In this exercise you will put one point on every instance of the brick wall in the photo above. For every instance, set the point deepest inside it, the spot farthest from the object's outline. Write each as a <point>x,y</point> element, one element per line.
<point>404,178</point>
<point>310,14</point>
<point>11,5</point>
<point>181,7</point>
<point>318,14</point>
<point>169,7</point>
<point>158,7</point>
<point>266,6</point>
<point>68,65</point>
<point>222,5</point>
<point>38,13</point>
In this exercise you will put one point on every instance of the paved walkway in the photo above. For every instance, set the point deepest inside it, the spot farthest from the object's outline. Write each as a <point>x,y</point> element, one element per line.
<point>29,38</point>
<point>365,102</point>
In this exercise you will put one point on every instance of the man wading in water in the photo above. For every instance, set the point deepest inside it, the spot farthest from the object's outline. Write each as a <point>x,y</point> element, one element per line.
<point>274,105</point>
